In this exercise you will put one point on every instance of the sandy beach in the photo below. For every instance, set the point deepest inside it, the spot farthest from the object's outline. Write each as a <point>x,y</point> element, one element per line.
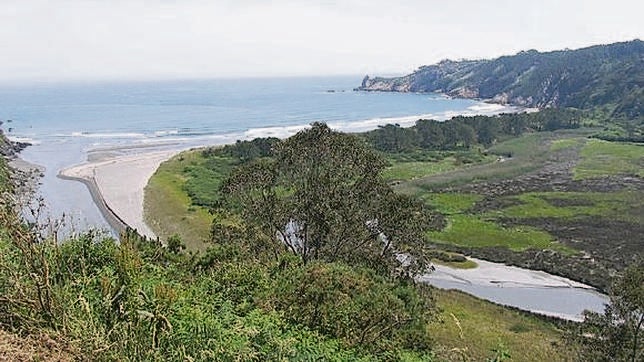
<point>117,185</point>
<point>488,273</point>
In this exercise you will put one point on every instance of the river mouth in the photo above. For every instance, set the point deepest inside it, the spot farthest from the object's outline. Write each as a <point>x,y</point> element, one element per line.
<point>530,290</point>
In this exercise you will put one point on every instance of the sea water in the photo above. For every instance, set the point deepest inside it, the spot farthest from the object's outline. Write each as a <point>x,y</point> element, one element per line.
<point>66,121</point>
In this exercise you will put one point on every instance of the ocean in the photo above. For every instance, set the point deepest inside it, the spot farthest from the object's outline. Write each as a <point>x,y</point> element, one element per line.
<point>65,121</point>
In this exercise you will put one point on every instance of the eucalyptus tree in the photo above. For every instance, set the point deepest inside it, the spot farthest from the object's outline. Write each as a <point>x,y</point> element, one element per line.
<point>616,334</point>
<point>321,197</point>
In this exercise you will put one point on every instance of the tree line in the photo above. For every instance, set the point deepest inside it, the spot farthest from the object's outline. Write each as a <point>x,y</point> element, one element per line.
<point>463,132</point>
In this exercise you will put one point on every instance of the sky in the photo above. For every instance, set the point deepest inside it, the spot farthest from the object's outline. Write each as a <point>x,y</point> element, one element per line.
<point>45,40</point>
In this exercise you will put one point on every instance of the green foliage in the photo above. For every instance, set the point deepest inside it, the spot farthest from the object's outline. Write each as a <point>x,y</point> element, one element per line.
<point>598,76</point>
<point>323,195</point>
<point>175,245</point>
<point>4,175</point>
<point>462,132</point>
<point>134,301</point>
<point>245,151</point>
<point>355,305</point>
<point>169,210</point>
<point>616,335</point>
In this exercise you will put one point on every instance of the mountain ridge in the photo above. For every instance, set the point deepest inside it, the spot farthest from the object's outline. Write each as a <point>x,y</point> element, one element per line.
<point>609,75</point>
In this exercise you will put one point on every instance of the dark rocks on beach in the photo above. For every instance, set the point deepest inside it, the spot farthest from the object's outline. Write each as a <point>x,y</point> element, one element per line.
<point>8,148</point>
<point>19,146</point>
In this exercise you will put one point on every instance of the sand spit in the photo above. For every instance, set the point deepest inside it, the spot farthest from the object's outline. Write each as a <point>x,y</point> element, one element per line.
<point>117,186</point>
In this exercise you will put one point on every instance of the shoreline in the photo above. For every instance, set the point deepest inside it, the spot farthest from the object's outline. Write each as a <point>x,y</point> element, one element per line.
<point>108,213</point>
<point>116,185</point>
<point>518,108</point>
<point>541,293</point>
<point>116,197</point>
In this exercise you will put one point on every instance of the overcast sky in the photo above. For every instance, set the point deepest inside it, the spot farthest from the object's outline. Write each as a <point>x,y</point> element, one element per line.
<point>160,39</point>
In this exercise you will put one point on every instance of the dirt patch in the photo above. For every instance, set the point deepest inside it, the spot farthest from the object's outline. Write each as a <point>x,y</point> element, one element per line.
<point>493,203</point>
<point>16,348</point>
<point>612,243</point>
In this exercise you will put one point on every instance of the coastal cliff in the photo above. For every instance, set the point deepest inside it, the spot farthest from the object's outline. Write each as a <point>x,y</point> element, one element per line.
<point>604,75</point>
<point>10,149</point>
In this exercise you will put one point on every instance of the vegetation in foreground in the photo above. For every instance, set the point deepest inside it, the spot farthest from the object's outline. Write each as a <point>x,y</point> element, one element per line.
<point>92,298</point>
<point>252,296</point>
<point>473,347</point>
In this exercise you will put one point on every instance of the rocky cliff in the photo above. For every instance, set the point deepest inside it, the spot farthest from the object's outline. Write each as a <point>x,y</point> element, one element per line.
<point>603,75</point>
<point>8,148</point>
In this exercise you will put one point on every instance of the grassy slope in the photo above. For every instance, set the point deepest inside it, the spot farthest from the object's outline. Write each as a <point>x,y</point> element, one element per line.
<point>168,208</point>
<point>483,328</point>
<point>470,328</point>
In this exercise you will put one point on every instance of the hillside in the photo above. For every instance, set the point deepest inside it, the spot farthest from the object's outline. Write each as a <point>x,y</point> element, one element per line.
<point>608,76</point>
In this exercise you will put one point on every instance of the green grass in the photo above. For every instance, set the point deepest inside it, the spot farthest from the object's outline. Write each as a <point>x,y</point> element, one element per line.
<point>521,155</point>
<point>409,166</point>
<point>617,205</point>
<point>601,158</point>
<point>469,329</point>
<point>565,143</point>
<point>451,203</point>
<point>523,146</point>
<point>468,264</point>
<point>415,169</point>
<point>168,208</point>
<point>472,231</point>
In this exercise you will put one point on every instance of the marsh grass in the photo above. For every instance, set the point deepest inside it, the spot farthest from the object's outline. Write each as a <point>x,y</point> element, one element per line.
<point>565,143</point>
<point>622,205</point>
<point>405,167</point>
<point>472,231</point>
<point>602,158</point>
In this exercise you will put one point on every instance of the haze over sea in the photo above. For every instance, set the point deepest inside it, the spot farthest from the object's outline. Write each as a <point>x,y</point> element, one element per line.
<point>66,121</point>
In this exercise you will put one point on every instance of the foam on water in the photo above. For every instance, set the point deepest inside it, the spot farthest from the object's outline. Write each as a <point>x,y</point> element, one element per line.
<point>66,122</point>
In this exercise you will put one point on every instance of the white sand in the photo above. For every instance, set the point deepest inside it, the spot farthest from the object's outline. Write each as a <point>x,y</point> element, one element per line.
<point>120,182</point>
<point>488,273</point>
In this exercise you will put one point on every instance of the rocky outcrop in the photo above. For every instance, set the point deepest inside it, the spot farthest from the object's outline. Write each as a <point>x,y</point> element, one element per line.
<point>583,78</point>
<point>8,148</point>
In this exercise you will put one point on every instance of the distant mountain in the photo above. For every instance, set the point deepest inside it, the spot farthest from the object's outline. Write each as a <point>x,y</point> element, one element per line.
<point>603,75</point>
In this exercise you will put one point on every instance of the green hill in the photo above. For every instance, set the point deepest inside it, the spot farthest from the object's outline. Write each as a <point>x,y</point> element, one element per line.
<point>609,76</point>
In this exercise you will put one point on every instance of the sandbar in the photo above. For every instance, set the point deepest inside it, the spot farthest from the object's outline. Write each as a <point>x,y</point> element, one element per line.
<point>117,185</point>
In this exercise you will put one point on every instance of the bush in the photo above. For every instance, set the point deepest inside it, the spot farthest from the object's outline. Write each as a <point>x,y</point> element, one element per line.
<point>353,304</point>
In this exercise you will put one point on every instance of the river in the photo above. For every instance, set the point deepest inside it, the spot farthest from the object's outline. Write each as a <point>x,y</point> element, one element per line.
<point>531,290</point>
